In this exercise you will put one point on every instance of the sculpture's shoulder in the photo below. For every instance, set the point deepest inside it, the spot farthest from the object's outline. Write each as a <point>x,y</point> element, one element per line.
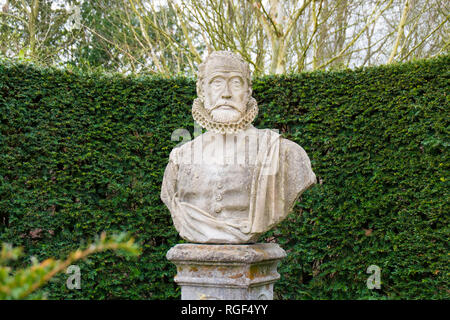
<point>292,148</point>
<point>179,153</point>
<point>297,160</point>
<point>173,156</point>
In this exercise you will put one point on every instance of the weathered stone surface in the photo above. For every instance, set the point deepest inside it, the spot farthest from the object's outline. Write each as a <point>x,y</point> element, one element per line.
<point>226,272</point>
<point>246,253</point>
<point>234,182</point>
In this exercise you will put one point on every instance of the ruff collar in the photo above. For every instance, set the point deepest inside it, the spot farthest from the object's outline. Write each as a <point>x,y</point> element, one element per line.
<point>203,118</point>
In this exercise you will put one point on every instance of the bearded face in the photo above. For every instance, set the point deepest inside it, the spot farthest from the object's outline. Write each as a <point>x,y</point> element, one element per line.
<point>226,91</point>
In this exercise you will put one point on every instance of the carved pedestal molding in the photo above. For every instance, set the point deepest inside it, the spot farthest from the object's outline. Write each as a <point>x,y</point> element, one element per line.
<point>226,272</point>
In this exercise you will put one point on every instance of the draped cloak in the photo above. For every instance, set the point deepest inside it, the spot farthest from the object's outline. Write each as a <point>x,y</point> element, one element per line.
<point>266,182</point>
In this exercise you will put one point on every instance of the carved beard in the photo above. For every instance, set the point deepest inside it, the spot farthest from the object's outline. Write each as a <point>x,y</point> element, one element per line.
<point>222,125</point>
<point>225,116</point>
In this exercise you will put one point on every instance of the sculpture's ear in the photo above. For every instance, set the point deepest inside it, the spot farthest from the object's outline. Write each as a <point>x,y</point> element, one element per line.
<point>249,94</point>
<point>199,87</point>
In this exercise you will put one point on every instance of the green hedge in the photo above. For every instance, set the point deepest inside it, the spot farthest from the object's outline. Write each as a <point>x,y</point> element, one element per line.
<point>83,153</point>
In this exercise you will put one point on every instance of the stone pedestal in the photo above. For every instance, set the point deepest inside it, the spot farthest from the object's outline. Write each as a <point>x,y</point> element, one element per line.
<point>226,272</point>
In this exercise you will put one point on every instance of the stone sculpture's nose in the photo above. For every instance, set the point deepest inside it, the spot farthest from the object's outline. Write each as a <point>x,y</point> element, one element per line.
<point>226,94</point>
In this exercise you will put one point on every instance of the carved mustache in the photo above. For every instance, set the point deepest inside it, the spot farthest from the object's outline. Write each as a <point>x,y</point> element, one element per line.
<point>222,103</point>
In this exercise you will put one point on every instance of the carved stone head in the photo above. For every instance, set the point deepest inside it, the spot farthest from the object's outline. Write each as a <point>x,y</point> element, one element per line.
<point>224,89</point>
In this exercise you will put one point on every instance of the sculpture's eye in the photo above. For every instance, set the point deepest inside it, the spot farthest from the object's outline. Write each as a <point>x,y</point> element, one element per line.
<point>236,83</point>
<point>217,82</point>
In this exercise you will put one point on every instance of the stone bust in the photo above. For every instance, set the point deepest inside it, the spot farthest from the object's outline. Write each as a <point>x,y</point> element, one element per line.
<point>234,182</point>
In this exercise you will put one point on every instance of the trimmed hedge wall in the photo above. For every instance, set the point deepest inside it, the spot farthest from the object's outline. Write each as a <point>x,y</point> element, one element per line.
<point>83,153</point>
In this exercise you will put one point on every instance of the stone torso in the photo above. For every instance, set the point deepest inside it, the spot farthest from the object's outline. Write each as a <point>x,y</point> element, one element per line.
<point>215,174</point>
<point>221,190</point>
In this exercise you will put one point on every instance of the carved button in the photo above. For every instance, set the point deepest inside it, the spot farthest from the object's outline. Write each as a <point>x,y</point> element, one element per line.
<point>218,197</point>
<point>219,186</point>
<point>218,209</point>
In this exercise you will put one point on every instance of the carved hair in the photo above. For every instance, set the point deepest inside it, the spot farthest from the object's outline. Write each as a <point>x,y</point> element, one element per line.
<point>235,60</point>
